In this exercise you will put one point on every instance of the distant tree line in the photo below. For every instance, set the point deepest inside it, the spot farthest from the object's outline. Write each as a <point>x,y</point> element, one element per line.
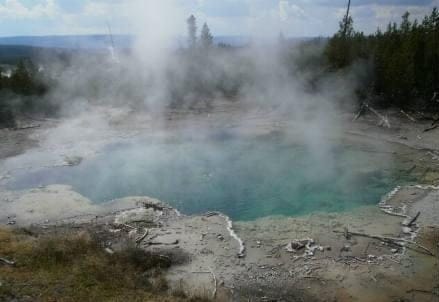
<point>21,89</point>
<point>405,60</point>
<point>206,39</point>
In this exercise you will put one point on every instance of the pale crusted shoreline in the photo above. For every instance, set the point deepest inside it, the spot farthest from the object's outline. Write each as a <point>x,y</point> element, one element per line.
<point>337,266</point>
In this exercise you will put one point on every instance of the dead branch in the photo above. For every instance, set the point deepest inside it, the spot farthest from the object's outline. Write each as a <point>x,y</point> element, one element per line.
<point>140,239</point>
<point>155,206</point>
<point>109,251</point>
<point>26,127</point>
<point>163,243</point>
<point>389,212</point>
<point>434,98</point>
<point>411,118</point>
<point>409,171</point>
<point>215,283</point>
<point>7,262</point>
<point>165,257</point>
<point>420,291</point>
<point>390,259</point>
<point>346,19</point>
<point>142,221</point>
<point>413,220</point>
<point>384,121</point>
<point>401,242</point>
<point>435,126</point>
<point>360,112</point>
<point>128,226</point>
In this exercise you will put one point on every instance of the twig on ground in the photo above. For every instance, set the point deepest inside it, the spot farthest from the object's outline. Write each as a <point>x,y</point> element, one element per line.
<point>163,243</point>
<point>128,226</point>
<point>390,259</point>
<point>360,113</point>
<point>7,262</point>
<point>387,211</point>
<point>384,121</point>
<point>413,220</point>
<point>215,283</point>
<point>140,239</point>
<point>435,126</point>
<point>411,118</point>
<point>27,127</point>
<point>414,290</point>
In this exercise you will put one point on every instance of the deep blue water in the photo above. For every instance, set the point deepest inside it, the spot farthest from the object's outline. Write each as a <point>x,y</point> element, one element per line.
<point>244,178</point>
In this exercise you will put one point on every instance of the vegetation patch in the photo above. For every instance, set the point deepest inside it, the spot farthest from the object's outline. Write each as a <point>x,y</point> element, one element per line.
<point>76,267</point>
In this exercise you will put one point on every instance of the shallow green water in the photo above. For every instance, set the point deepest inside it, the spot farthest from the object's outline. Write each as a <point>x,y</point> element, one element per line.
<point>244,178</point>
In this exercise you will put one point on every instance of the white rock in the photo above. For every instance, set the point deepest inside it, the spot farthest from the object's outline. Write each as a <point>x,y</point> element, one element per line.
<point>406,230</point>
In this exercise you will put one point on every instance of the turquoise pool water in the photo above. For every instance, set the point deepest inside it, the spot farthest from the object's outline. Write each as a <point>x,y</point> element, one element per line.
<point>245,178</point>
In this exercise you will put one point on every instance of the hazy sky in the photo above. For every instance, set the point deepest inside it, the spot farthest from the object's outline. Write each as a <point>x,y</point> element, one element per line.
<point>225,17</point>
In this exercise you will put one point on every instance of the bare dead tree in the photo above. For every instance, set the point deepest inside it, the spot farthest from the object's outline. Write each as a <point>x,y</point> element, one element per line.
<point>346,20</point>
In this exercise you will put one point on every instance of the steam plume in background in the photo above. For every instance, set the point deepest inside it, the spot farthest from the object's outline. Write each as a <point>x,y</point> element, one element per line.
<point>157,75</point>
<point>154,74</point>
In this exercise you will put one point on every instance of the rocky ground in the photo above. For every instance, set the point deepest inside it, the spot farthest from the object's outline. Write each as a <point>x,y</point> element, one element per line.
<point>375,253</point>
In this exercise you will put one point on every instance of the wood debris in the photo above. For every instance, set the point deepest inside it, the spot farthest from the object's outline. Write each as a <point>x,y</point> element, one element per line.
<point>142,237</point>
<point>401,242</point>
<point>7,262</point>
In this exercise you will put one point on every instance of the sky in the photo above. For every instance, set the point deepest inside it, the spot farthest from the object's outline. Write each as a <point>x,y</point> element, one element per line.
<point>301,18</point>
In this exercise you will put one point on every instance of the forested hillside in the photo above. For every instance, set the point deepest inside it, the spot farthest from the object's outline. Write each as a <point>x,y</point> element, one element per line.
<point>21,88</point>
<point>405,60</point>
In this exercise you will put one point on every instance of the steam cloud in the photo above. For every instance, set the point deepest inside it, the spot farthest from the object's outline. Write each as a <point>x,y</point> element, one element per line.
<point>158,75</point>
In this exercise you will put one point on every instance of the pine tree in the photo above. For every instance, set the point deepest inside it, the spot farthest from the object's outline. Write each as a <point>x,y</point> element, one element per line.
<point>206,37</point>
<point>21,79</point>
<point>192,32</point>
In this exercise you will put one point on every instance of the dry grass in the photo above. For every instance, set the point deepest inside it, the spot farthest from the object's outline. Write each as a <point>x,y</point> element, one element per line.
<point>75,267</point>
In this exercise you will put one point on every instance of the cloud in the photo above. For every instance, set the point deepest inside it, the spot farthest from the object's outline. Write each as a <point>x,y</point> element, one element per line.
<point>289,10</point>
<point>15,9</point>
<point>343,3</point>
<point>225,17</point>
<point>224,8</point>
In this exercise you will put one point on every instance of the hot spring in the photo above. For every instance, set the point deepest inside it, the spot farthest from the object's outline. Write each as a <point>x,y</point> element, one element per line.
<point>246,178</point>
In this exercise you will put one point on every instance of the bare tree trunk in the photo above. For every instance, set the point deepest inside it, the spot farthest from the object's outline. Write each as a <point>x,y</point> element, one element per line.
<point>346,20</point>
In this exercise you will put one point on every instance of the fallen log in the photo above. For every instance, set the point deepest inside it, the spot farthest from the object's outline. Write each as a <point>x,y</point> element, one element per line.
<point>401,242</point>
